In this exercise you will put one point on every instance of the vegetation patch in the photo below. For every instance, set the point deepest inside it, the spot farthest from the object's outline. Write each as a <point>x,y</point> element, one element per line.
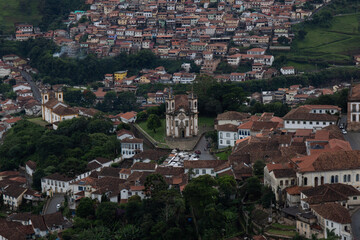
<point>159,134</point>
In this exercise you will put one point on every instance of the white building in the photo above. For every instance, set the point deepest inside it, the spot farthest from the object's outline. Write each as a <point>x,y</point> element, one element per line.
<point>334,217</point>
<point>131,146</point>
<point>202,167</point>
<point>56,183</point>
<point>287,70</point>
<point>13,196</point>
<point>227,135</point>
<point>328,167</point>
<point>311,117</point>
<point>53,108</point>
<point>181,116</point>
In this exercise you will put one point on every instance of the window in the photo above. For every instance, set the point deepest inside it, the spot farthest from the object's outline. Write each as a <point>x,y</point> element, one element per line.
<point>332,224</point>
<point>298,122</point>
<point>173,104</point>
<point>344,178</point>
<point>293,182</point>
<point>81,188</point>
<point>227,134</point>
<point>324,123</point>
<point>327,223</point>
<point>354,198</point>
<point>293,122</point>
<point>354,107</point>
<point>197,171</point>
<point>227,141</point>
<point>304,122</point>
<point>281,183</point>
<point>287,121</point>
<point>286,182</point>
<point>354,118</point>
<point>320,111</point>
<point>357,177</point>
<point>204,171</point>
<point>176,123</point>
<point>221,141</point>
<point>317,123</point>
<point>221,135</point>
<point>336,178</point>
<point>349,178</point>
<point>305,181</point>
<point>187,123</point>
<point>310,122</point>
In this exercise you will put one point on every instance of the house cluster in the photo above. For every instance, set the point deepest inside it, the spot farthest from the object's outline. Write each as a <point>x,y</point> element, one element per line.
<point>202,31</point>
<point>311,168</point>
<point>295,94</point>
<point>30,226</point>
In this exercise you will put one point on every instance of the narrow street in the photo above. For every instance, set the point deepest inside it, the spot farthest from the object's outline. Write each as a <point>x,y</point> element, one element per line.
<point>205,154</point>
<point>34,88</point>
<point>54,201</point>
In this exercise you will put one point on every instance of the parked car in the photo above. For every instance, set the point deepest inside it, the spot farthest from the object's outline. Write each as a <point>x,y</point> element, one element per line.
<point>344,131</point>
<point>198,152</point>
<point>58,206</point>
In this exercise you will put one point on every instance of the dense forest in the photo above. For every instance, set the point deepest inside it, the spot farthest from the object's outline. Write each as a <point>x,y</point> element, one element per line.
<point>66,150</point>
<point>207,209</point>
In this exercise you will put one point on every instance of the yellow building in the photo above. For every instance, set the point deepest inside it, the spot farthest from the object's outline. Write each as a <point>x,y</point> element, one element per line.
<point>119,76</point>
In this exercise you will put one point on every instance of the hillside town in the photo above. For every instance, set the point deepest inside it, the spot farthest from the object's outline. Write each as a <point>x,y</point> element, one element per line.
<point>179,120</point>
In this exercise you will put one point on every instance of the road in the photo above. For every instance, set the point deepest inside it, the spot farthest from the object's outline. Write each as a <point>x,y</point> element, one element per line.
<point>355,224</point>
<point>34,88</point>
<point>352,137</point>
<point>54,201</point>
<point>205,154</point>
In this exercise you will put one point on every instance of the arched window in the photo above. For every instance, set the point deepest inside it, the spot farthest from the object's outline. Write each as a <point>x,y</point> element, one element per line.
<point>336,178</point>
<point>344,178</point>
<point>316,181</point>
<point>322,180</point>
<point>305,181</point>
<point>349,178</point>
<point>195,103</point>
<point>357,177</point>
<point>332,179</point>
<point>173,104</point>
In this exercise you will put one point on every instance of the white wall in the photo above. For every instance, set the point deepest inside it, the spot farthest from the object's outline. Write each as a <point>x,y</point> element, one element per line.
<point>227,139</point>
<point>300,124</point>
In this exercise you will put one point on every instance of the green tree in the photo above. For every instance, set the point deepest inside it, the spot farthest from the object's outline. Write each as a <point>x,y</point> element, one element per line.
<point>141,116</point>
<point>258,168</point>
<point>106,213</point>
<point>153,122</point>
<point>38,174</point>
<point>154,184</point>
<point>86,208</point>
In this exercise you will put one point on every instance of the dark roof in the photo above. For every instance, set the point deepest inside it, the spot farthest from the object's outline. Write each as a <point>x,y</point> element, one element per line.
<point>303,113</point>
<point>227,128</point>
<point>152,154</point>
<point>109,172</point>
<point>203,163</point>
<point>329,193</point>
<point>93,165</point>
<point>31,164</point>
<point>14,191</point>
<point>284,173</point>
<point>333,212</point>
<point>174,171</point>
<point>181,101</point>
<point>54,219</point>
<point>261,125</point>
<point>143,166</point>
<point>63,111</point>
<point>38,222</point>
<point>59,177</point>
<point>232,115</point>
<point>132,140</point>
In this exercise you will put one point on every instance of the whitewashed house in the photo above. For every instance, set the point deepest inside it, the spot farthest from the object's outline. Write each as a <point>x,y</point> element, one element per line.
<point>227,135</point>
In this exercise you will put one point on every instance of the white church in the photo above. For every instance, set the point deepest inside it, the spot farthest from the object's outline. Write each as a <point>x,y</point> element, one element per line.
<point>53,108</point>
<point>181,116</point>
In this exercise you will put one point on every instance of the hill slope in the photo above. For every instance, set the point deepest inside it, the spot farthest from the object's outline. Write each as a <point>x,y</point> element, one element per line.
<point>13,11</point>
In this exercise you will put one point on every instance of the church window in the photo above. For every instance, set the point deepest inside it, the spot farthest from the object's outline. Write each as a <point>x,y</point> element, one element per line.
<point>195,104</point>
<point>173,104</point>
<point>59,96</point>
<point>176,123</point>
<point>45,97</point>
<point>187,123</point>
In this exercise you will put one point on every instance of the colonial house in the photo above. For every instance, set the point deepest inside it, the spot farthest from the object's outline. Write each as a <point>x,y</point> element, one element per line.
<point>287,70</point>
<point>311,117</point>
<point>231,117</point>
<point>279,177</point>
<point>56,183</point>
<point>328,167</point>
<point>13,196</point>
<point>30,167</point>
<point>333,217</point>
<point>203,167</point>
<point>123,133</point>
<point>343,194</point>
<point>131,146</point>
<point>227,135</point>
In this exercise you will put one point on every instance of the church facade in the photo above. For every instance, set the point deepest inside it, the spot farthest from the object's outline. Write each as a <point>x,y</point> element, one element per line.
<point>181,116</point>
<point>53,108</point>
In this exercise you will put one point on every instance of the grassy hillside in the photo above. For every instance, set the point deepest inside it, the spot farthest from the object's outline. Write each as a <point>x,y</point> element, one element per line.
<point>12,11</point>
<point>335,45</point>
